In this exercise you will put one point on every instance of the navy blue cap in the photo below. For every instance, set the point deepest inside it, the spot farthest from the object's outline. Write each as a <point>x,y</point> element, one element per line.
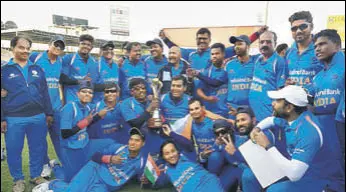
<point>154,41</point>
<point>243,38</point>
<point>247,110</point>
<point>57,38</point>
<point>221,123</point>
<point>136,131</point>
<point>107,44</point>
<point>86,85</point>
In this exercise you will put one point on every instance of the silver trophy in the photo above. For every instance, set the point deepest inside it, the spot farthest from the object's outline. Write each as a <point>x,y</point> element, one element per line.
<point>155,120</point>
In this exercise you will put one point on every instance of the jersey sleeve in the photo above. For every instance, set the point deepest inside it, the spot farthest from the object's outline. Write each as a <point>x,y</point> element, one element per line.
<point>126,111</point>
<point>281,73</point>
<point>66,60</point>
<point>66,119</point>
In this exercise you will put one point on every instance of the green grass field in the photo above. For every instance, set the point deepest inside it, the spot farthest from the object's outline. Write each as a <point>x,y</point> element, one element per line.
<point>6,179</point>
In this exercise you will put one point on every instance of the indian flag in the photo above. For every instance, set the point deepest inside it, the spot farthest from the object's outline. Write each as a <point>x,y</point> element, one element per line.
<point>151,171</point>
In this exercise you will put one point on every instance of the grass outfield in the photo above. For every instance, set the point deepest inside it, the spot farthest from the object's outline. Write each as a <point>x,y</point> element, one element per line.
<point>6,179</point>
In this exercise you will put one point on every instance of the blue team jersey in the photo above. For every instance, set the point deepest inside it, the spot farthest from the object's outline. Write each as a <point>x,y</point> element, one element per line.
<point>220,92</point>
<point>187,176</point>
<point>109,73</point>
<point>52,73</point>
<point>305,142</point>
<point>71,113</point>
<point>116,175</point>
<point>109,126</point>
<point>172,110</point>
<point>268,76</point>
<point>75,68</point>
<point>239,80</point>
<point>302,67</point>
<point>203,133</point>
<point>131,71</point>
<point>340,114</point>
<point>153,67</point>
<point>328,84</point>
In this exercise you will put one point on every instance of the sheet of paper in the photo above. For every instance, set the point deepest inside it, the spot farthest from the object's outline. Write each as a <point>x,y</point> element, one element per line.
<point>261,163</point>
<point>166,76</point>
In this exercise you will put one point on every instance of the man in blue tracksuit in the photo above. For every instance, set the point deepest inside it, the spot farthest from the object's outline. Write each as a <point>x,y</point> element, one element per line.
<point>156,61</point>
<point>26,110</point>
<point>133,67</point>
<point>76,116</point>
<point>328,85</point>
<point>240,73</point>
<point>77,67</point>
<point>51,63</point>
<point>110,126</point>
<point>109,169</point>
<point>301,60</point>
<point>174,104</point>
<point>213,90</point>
<point>108,70</point>
<point>270,73</point>
<point>310,165</point>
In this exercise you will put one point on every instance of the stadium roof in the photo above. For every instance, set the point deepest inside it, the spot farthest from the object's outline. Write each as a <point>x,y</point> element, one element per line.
<point>44,37</point>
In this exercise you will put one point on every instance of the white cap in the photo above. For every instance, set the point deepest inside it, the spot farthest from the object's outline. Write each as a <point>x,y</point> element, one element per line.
<point>291,93</point>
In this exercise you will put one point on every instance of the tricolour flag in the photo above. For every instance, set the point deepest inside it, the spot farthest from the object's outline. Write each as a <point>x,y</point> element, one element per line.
<point>151,170</point>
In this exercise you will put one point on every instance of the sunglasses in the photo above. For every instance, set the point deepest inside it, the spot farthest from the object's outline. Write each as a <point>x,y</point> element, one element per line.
<point>221,132</point>
<point>302,27</point>
<point>110,91</point>
<point>59,46</point>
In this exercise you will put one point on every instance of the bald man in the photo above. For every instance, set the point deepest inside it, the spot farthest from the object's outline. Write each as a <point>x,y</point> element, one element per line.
<point>176,66</point>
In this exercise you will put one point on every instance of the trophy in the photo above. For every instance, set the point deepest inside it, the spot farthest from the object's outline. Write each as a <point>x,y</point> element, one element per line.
<point>155,121</point>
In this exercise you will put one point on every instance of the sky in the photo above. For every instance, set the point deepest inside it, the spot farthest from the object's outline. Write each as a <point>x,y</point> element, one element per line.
<point>147,18</point>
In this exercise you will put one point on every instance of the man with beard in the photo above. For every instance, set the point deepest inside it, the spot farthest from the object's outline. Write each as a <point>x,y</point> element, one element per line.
<point>309,166</point>
<point>176,66</point>
<point>156,61</point>
<point>240,73</point>
<point>270,73</point>
<point>25,111</point>
<point>133,67</point>
<point>212,88</point>
<point>109,169</point>
<point>77,67</point>
<point>301,59</point>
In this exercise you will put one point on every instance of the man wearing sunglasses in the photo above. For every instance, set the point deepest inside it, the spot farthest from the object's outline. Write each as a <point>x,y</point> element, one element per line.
<point>302,62</point>
<point>77,67</point>
<point>51,62</point>
<point>109,126</point>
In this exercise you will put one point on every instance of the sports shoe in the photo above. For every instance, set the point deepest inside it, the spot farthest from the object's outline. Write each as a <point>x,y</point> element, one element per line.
<point>44,187</point>
<point>53,163</point>
<point>38,180</point>
<point>46,171</point>
<point>19,186</point>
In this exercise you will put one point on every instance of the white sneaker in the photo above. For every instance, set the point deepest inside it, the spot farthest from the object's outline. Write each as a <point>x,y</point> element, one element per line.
<point>47,171</point>
<point>44,187</point>
<point>53,163</point>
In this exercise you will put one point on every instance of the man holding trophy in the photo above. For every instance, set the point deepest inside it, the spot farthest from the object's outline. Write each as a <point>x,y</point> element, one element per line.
<point>138,112</point>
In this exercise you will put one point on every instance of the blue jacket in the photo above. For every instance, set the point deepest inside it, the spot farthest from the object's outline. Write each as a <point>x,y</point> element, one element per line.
<point>26,96</point>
